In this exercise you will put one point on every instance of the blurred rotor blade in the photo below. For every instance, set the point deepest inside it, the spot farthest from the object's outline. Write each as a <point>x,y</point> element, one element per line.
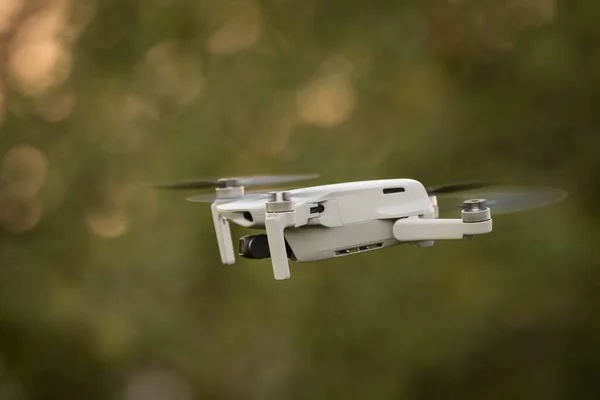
<point>211,197</point>
<point>203,198</point>
<point>266,180</point>
<point>508,201</point>
<point>249,181</point>
<point>457,187</point>
<point>192,184</point>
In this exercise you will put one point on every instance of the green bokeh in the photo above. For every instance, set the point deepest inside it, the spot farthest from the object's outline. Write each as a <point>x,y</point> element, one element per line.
<point>111,284</point>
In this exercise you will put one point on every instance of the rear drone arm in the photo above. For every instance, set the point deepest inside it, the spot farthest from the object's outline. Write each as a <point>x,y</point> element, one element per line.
<point>476,220</point>
<point>415,229</point>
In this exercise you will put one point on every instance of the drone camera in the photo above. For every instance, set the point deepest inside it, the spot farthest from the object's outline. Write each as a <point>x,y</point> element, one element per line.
<point>256,247</point>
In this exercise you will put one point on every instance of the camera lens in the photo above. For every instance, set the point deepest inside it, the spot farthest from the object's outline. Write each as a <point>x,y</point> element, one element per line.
<point>254,247</point>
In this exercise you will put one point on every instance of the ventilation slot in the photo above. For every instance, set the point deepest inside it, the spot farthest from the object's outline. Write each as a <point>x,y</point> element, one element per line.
<point>370,247</point>
<point>359,249</point>
<point>393,190</point>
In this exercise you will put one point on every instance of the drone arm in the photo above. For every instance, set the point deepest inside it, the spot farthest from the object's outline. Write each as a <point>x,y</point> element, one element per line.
<point>416,229</point>
<point>223,233</point>
<point>275,224</point>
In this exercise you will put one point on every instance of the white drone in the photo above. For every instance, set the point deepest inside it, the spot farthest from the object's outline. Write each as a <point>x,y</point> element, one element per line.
<point>336,220</point>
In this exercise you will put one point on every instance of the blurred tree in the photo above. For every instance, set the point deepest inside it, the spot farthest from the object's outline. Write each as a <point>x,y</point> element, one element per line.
<point>108,291</point>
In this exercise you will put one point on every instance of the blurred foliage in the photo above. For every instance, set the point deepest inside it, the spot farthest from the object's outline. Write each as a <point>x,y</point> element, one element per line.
<point>108,291</point>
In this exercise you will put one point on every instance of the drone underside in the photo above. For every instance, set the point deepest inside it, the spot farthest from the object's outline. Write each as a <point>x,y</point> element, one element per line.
<point>328,221</point>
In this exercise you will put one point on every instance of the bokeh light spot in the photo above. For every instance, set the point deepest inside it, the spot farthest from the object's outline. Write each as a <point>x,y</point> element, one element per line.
<point>108,223</point>
<point>241,29</point>
<point>38,57</point>
<point>34,66</point>
<point>57,106</point>
<point>23,172</point>
<point>9,9</point>
<point>329,98</point>
<point>107,215</point>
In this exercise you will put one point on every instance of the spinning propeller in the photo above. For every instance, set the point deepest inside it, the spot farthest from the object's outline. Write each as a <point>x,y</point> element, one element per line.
<point>294,209</point>
<point>278,180</point>
<point>456,187</point>
<point>508,200</point>
<point>233,187</point>
<point>502,201</point>
<point>222,183</point>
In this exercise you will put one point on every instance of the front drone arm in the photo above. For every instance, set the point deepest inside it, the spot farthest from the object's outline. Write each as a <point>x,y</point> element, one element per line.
<point>281,213</point>
<point>275,224</point>
<point>223,233</point>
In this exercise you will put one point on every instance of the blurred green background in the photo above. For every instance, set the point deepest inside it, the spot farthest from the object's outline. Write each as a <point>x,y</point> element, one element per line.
<point>110,292</point>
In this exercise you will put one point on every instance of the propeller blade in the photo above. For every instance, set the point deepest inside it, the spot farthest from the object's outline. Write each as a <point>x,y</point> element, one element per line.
<point>509,201</point>
<point>211,197</point>
<point>457,187</point>
<point>267,180</point>
<point>249,181</point>
<point>192,184</point>
<point>203,198</point>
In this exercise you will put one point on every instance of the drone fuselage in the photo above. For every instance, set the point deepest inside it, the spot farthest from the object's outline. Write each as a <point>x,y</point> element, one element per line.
<point>328,221</point>
<point>344,219</point>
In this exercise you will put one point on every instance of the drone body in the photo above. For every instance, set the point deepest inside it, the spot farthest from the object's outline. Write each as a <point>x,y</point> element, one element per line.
<point>336,220</point>
<point>323,222</point>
